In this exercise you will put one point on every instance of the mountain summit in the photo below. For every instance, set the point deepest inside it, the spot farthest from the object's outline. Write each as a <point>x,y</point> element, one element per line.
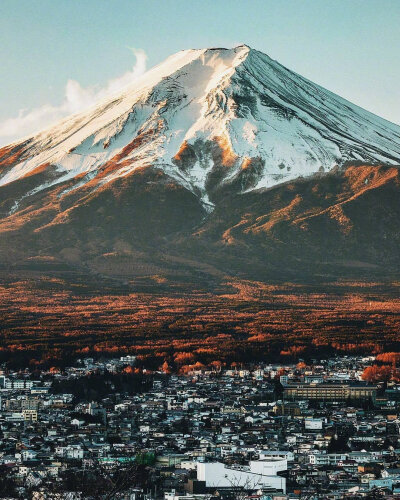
<point>183,156</point>
<point>211,119</point>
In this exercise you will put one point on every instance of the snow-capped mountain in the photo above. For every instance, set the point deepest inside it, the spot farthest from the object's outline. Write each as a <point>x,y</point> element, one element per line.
<point>212,120</point>
<point>169,179</point>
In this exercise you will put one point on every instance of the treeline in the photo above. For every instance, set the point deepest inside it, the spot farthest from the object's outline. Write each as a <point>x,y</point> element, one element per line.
<point>182,356</point>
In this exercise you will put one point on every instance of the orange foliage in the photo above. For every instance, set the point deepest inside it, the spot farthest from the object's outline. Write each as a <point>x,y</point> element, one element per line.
<point>191,368</point>
<point>377,373</point>
<point>182,358</point>
<point>389,357</point>
<point>293,350</point>
<point>259,337</point>
<point>165,367</point>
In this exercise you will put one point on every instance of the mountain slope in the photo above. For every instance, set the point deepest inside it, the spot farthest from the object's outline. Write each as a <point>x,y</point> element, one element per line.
<point>217,156</point>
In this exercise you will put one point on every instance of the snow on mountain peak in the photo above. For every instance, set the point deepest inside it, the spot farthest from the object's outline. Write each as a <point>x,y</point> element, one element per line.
<point>210,119</point>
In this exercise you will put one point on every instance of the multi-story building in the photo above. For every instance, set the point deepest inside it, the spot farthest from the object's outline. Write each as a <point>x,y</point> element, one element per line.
<point>16,384</point>
<point>330,391</point>
<point>30,415</point>
<point>30,403</point>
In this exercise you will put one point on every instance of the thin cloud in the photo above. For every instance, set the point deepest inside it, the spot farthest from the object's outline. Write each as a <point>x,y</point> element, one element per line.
<point>77,98</point>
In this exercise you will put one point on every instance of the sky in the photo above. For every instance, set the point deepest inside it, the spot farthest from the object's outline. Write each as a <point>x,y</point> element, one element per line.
<point>59,56</point>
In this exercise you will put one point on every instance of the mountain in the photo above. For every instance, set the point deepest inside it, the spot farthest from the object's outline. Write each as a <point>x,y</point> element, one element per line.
<point>216,161</point>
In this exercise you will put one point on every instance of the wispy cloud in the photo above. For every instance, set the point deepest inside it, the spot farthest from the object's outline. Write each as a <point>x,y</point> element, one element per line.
<point>77,98</point>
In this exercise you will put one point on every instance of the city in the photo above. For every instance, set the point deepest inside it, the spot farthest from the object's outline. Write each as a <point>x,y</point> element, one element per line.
<point>105,428</point>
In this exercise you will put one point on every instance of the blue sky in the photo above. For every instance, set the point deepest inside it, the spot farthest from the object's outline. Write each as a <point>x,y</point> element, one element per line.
<point>348,46</point>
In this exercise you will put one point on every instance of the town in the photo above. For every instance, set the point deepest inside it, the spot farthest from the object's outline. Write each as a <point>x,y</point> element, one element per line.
<point>104,428</point>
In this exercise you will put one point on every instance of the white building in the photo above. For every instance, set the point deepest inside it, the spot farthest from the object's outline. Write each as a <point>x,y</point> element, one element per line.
<point>326,458</point>
<point>172,495</point>
<point>7,383</point>
<point>28,455</point>
<point>128,359</point>
<point>258,474</point>
<point>276,455</point>
<point>360,457</point>
<point>313,424</point>
<point>188,465</point>
<point>70,451</point>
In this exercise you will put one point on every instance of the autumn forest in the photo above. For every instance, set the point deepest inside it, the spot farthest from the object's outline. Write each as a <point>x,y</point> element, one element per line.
<point>49,319</point>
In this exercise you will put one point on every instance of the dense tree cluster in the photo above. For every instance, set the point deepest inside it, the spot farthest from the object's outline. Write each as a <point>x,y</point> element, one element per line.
<point>50,321</point>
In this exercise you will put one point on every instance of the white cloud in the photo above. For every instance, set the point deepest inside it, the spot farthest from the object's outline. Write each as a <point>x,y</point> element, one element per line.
<point>76,99</point>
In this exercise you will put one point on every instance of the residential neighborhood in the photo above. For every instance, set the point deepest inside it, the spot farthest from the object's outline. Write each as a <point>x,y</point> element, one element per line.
<point>105,429</point>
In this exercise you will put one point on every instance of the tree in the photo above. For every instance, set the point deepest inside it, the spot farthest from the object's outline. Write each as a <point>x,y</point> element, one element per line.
<point>338,444</point>
<point>377,373</point>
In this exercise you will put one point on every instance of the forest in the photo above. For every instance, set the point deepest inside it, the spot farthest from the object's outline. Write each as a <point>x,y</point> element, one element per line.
<point>50,319</point>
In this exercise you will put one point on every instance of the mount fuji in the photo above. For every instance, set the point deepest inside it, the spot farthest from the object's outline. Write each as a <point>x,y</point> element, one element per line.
<point>221,157</point>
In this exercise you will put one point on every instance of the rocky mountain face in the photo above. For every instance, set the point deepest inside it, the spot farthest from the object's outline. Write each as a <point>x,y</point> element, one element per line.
<point>215,161</point>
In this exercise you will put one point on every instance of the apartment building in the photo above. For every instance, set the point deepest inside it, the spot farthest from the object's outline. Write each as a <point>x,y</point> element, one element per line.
<point>328,391</point>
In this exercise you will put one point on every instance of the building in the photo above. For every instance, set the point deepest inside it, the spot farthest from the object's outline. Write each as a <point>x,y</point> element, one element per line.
<point>15,384</point>
<point>276,455</point>
<point>172,495</point>
<point>313,424</point>
<point>30,403</point>
<point>258,474</point>
<point>326,458</point>
<point>327,391</point>
<point>287,409</point>
<point>284,380</point>
<point>30,415</point>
